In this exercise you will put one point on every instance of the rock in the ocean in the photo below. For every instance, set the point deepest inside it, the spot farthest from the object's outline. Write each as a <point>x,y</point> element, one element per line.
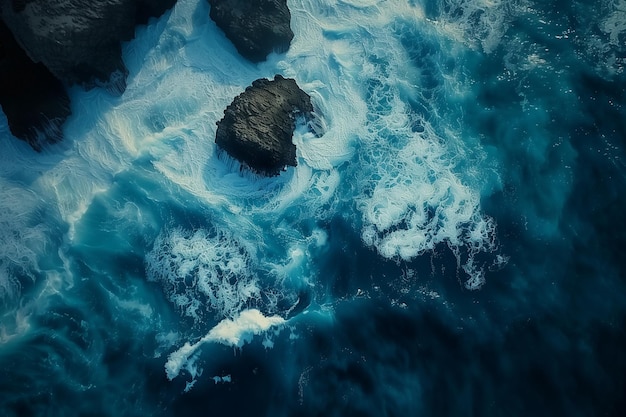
<point>33,100</point>
<point>255,27</point>
<point>258,126</point>
<point>79,40</point>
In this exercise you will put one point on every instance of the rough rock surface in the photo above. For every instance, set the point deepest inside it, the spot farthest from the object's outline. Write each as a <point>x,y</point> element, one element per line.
<point>46,43</point>
<point>255,27</point>
<point>258,126</point>
<point>34,101</point>
<point>79,40</point>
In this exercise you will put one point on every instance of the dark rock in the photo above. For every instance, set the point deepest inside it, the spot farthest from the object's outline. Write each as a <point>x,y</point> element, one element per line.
<point>258,126</point>
<point>255,27</point>
<point>46,43</point>
<point>151,8</point>
<point>79,40</point>
<point>34,101</point>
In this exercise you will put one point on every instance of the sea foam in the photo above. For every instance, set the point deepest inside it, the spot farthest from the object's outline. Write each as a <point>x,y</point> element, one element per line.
<point>407,184</point>
<point>203,270</point>
<point>231,332</point>
<point>380,153</point>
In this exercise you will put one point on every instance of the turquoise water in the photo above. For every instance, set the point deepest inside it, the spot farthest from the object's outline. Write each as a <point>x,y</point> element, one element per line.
<point>448,244</point>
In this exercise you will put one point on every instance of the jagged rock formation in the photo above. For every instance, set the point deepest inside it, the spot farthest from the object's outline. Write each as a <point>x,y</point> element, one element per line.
<point>79,40</point>
<point>255,27</point>
<point>46,43</point>
<point>258,126</point>
<point>33,100</point>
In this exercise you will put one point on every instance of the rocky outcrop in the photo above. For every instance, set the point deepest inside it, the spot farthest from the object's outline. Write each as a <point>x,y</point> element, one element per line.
<point>255,27</point>
<point>45,44</point>
<point>33,100</point>
<point>258,126</point>
<point>79,41</point>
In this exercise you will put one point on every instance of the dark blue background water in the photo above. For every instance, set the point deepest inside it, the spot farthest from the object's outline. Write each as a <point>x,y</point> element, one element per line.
<point>527,103</point>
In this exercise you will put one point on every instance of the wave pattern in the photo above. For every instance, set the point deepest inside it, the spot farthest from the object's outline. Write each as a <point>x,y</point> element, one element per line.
<point>458,145</point>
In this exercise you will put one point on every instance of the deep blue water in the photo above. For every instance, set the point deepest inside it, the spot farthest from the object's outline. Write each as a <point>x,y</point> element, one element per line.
<point>450,243</point>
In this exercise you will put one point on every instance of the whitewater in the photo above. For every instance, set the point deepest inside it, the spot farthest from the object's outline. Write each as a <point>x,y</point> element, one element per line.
<point>426,238</point>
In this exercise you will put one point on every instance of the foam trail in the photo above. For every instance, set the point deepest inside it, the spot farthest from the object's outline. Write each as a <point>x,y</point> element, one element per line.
<point>479,24</point>
<point>615,23</point>
<point>24,237</point>
<point>204,270</point>
<point>396,165</point>
<point>410,190</point>
<point>20,240</point>
<point>230,332</point>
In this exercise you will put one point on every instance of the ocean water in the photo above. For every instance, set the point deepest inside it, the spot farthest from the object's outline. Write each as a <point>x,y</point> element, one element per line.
<point>450,242</point>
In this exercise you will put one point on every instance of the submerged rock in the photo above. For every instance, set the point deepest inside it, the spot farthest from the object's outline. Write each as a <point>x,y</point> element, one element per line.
<point>79,41</point>
<point>255,27</point>
<point>34,101</point>
<point>258,126</point>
